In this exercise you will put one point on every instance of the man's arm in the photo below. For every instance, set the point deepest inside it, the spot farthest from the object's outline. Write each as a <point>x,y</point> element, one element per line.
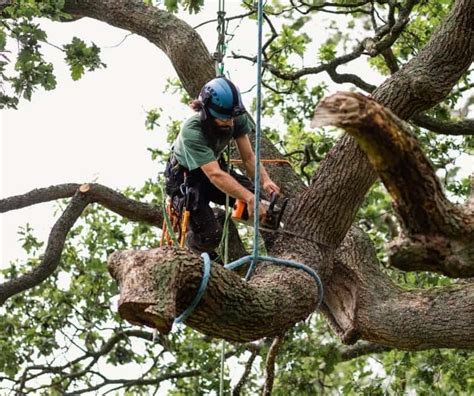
<point>226,183</point>
<point>248,158</point>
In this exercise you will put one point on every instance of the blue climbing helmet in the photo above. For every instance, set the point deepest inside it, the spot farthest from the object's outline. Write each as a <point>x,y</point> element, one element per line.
<point>221,99</point>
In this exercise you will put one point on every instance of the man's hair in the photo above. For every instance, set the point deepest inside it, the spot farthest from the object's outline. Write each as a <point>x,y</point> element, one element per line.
<point>196,105</point>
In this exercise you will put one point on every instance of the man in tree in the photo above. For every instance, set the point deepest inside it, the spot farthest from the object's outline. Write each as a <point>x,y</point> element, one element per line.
<point>196,169</point>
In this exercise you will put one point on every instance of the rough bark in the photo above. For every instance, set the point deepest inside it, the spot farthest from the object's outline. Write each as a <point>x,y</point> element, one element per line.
<point>340,185</point>
<point>430,76</point>
<point>364,303</point>
<point>360,301</point>
<point>158,285</point>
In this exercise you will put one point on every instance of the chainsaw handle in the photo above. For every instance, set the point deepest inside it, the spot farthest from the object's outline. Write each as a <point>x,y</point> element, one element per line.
<point>273,199</point>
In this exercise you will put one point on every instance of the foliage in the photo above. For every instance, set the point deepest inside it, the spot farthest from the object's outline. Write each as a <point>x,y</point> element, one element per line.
<point>79,57</point>
<point>31,70</point>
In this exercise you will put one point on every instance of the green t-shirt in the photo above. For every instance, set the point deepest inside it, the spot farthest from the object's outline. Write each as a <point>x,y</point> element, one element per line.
<point>193,150</point>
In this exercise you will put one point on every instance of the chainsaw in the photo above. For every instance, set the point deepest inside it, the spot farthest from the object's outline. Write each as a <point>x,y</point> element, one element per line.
<point>273,215</point>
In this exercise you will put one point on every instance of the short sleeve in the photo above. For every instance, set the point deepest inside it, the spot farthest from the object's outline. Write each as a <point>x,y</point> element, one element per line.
<point>190,147</point>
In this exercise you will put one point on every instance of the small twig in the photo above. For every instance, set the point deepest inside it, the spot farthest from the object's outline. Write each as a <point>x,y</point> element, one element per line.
<point>248,367</point>
<point>120,42</point>
<point>270,364</point>
<point>226,19</point>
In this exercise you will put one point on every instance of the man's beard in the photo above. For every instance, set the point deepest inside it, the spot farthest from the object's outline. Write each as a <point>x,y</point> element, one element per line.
<point>213,132</point>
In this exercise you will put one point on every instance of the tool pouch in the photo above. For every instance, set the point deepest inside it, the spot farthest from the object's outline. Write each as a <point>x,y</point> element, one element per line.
<point>174,176</point>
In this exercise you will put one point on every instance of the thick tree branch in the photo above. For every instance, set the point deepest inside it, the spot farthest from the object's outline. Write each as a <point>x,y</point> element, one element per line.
<point>110,199</point>
<point>364,303</point>
<point>429,77</point>
<point>157,285</point>
<point>37,196</point>
<point>52,253</point>
<point>395,155</point>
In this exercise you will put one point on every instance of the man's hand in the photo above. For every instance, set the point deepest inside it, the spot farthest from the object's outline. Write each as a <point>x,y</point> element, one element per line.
<point>270,187</point>
<point>261,208</point>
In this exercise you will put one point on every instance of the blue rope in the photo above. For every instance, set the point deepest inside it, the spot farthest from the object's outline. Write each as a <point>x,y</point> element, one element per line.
<point>202,288</point>
<point>286,263</point>
<point>258,130</point>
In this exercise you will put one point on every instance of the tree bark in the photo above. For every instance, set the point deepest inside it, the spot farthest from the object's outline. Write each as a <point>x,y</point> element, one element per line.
<point>362,302</point>
<point>158,285</point>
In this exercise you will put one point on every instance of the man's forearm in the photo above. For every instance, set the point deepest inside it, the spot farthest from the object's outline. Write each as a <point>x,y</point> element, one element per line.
<point>250,169</point>
<point>226,183</point>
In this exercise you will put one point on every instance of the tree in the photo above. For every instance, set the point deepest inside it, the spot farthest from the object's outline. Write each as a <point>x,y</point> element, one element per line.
<point>363,301</point>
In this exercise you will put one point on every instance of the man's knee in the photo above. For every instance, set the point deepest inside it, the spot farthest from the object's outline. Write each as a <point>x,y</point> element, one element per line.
<point>206,241</point>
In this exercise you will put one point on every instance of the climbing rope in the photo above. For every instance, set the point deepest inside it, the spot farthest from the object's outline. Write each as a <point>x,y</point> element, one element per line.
<point>221,36</point>
<point>258,130</point>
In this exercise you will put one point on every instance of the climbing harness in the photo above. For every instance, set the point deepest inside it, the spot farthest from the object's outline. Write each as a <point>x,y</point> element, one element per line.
<point>176,220</point>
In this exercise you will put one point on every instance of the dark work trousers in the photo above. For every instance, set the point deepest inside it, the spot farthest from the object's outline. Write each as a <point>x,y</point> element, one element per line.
<point>205,231</point>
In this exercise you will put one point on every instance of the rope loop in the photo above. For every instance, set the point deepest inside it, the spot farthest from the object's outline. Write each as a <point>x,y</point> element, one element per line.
<point>202,288</point>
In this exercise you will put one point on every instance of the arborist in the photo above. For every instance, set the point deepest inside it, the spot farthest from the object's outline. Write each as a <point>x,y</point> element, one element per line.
<point>196,172</point>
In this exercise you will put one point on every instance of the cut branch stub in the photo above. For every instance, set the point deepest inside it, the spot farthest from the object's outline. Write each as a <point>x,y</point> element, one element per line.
<point>398,159</point>
<point>440,235</point>
<point>158,285</point>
